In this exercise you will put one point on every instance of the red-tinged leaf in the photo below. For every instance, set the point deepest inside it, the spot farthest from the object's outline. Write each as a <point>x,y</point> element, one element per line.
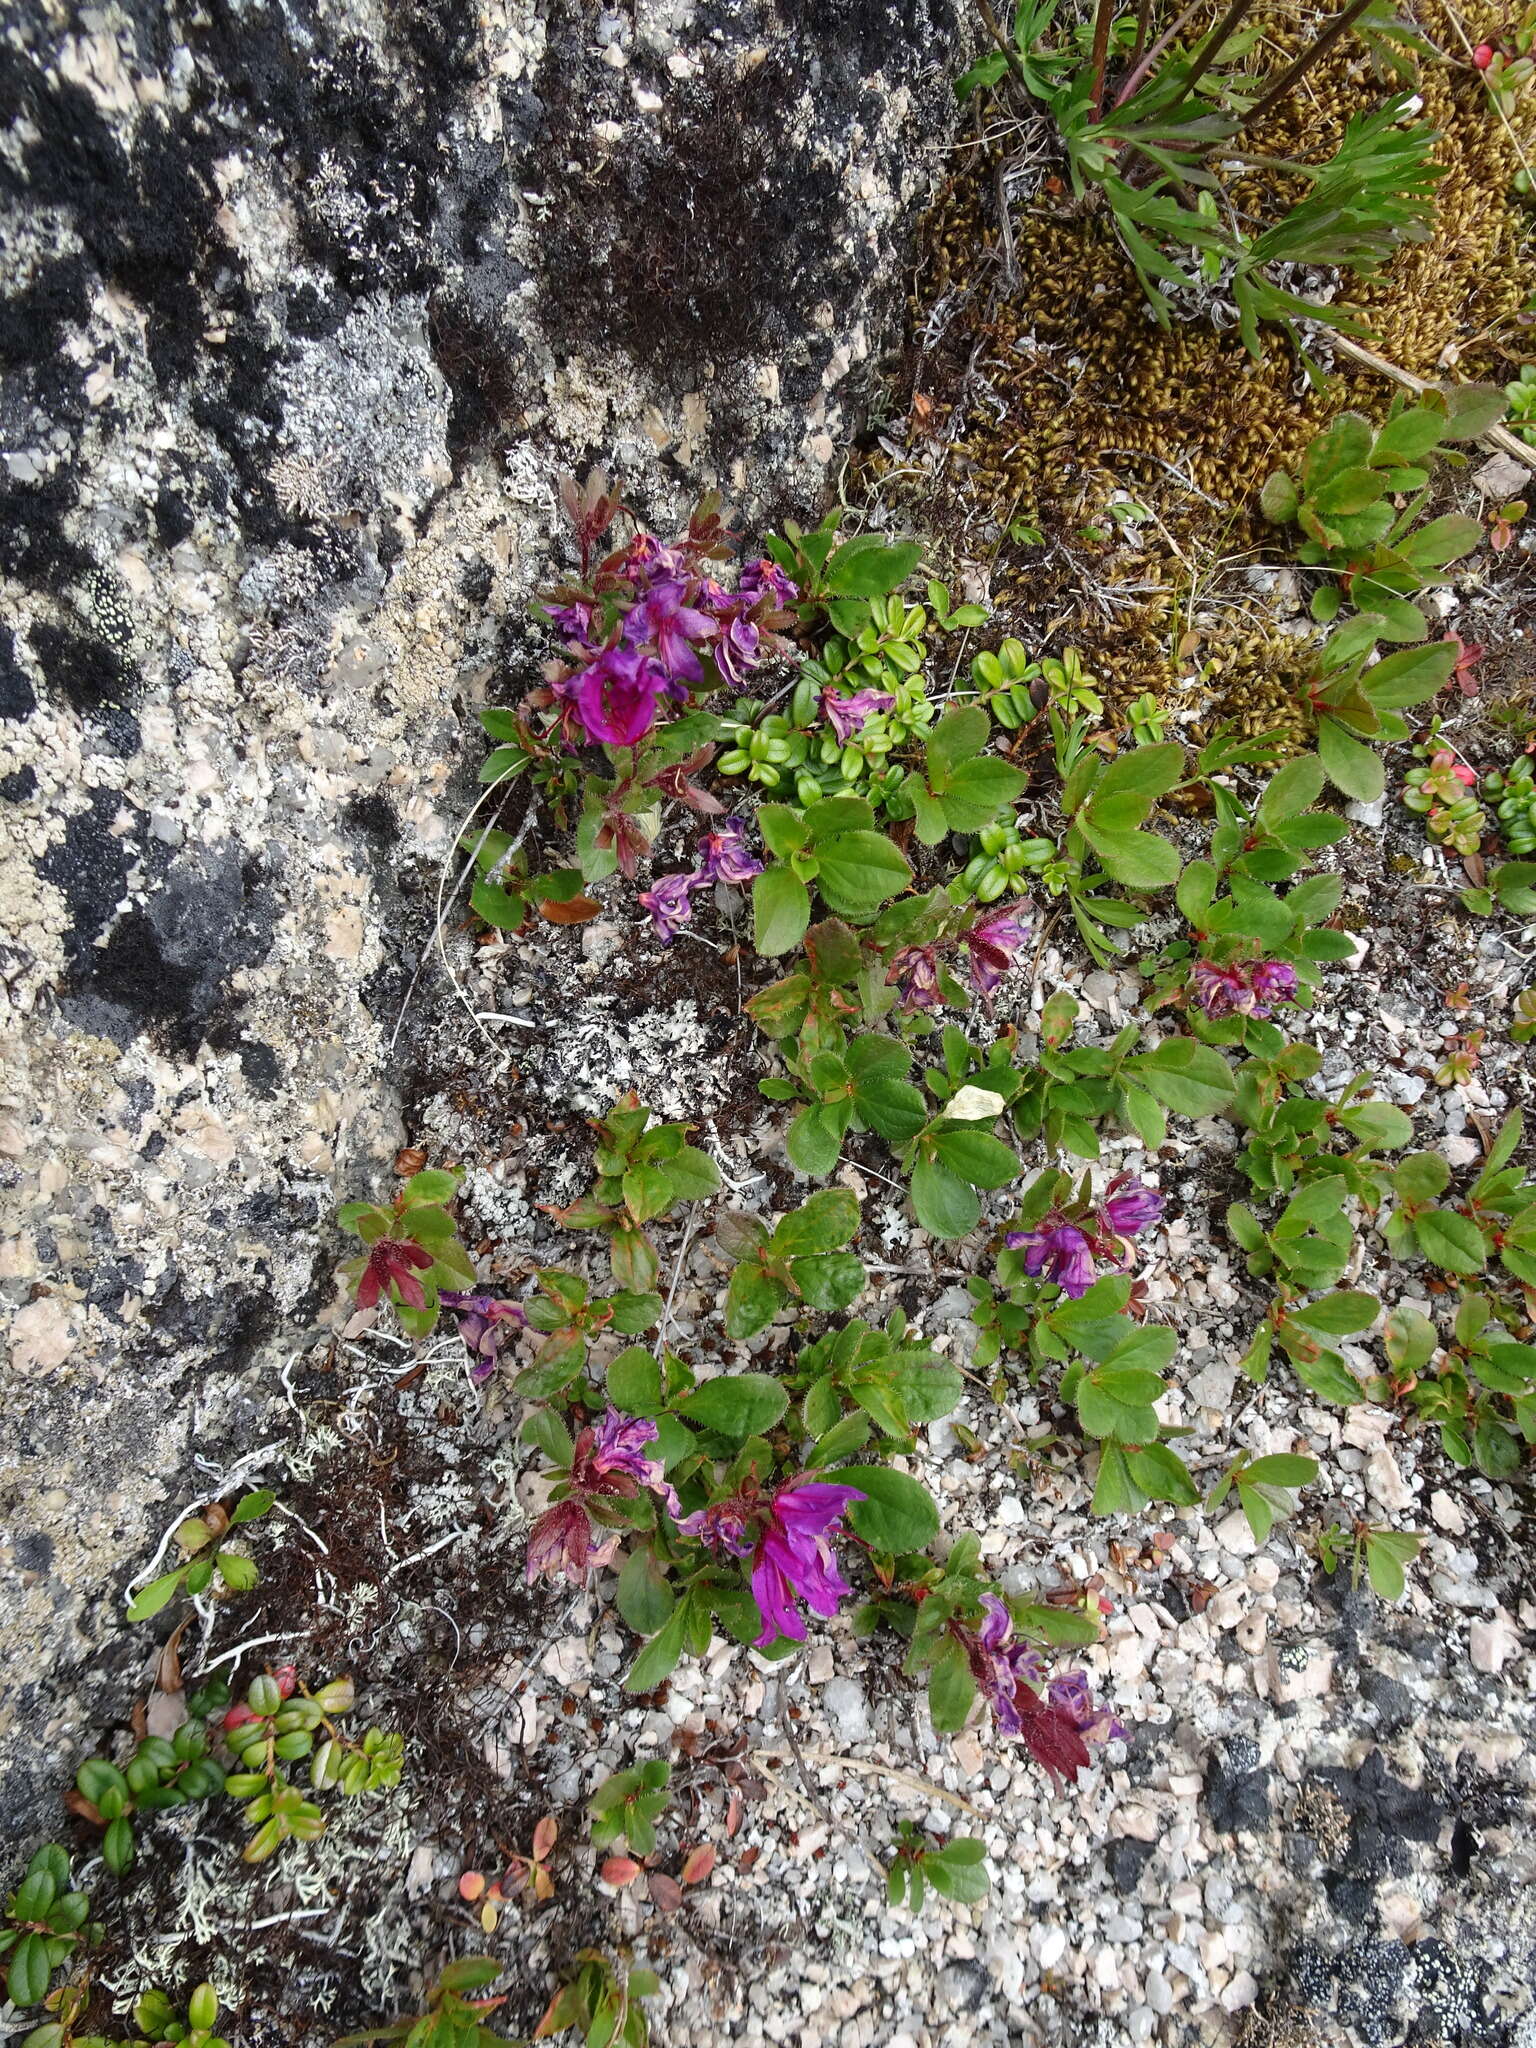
<point>579,910</point>
<point>666,1893</point>
<point>1474,868</point>
<point>1052,1740</point>
<point>619,1871</point>
<point>562,2011</point>
<point>79,1804</point>
<point>544,1837</point>
<point>698,1863</point>
<point>732,1815</point>
<point>747,1860</point>
<point>543,1885</point>
<point>471,1885</point>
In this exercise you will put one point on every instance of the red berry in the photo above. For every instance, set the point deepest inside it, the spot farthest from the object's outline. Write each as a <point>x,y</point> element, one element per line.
<point>1483,56</point>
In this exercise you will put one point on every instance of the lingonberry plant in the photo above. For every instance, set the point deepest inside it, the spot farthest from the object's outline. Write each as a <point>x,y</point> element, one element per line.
<point>203,1540</point>
<point>47,1924</point>
<point>161,1775</point>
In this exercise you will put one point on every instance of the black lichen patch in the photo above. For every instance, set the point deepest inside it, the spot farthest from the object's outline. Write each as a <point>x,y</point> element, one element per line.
<point>90,867</point>
<point>17,697</point>
<point>704,240</point>
<point>90,676</point>
<point>145,216</point>
<point>482,364</point>
<point>164,965</point>
<point>17,787</point>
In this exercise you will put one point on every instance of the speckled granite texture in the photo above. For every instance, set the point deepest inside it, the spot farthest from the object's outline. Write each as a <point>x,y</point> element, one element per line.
<point>304,306</point>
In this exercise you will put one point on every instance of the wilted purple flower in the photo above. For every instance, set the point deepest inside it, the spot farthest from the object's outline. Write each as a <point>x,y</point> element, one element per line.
<point>616,695</point>
<point>794,1560</point>
<point>394,1262</point>
<point>849,715</point>
<point>1273,981</point>
<point>608,1462</point>
<point>737,650</point>
<point>662,618</point>
<point>1072,1695</point>
<point>485,1324</point>
<point>725,1527</point>
<point>914,974</point>
<point>1056,1251</point>
<point>991,943</point>
<point>764,578</point>
<point>1221,991</point>
<point>1001,1666</point>
<point>670,902</point>
<point>618,1446</point>
<point>726,856</point>
<point>1135,1208</point>
<point>1243,990</point>
<point>560,1541</point>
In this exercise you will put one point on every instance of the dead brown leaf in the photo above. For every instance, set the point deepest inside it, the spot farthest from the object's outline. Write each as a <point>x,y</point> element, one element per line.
<point>578,910</point>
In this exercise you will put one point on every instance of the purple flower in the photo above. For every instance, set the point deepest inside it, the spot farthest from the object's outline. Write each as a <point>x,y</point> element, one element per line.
<point>670,902</point>
<point>1060,1252</point>
<point>794,1560</point>
<point>616,695</point>
<point>574,619</point>
<point>1072,1695</point>
<point>725,1527</point>
<point>1273,981</point>
<point>764,578</point>
<point>1136,1208</point>
<point>726,858</point>
<point>484,1323</point>
<point>914,974</point>
<point>662,617</point>
<point>850,715</point>
<point>1243,990</point>
<point>618,1446</point>
<point>648,561</point>
<point>1222,991</point>
<point>991,943</point>
<point>736,651</point>
<point>1001,1666</point>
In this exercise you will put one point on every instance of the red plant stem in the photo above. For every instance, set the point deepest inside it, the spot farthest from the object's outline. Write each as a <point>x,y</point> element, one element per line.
<point>1291,77</point>
<point>1102,21</point>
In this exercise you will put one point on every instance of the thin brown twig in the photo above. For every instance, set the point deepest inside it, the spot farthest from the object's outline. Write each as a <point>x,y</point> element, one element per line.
<point>1136,77</point>
<point>1207,52</point>
<point>1102,21</point>
<point>1291,77</point>
<point>1496,437</point>
<point>989,21</point>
